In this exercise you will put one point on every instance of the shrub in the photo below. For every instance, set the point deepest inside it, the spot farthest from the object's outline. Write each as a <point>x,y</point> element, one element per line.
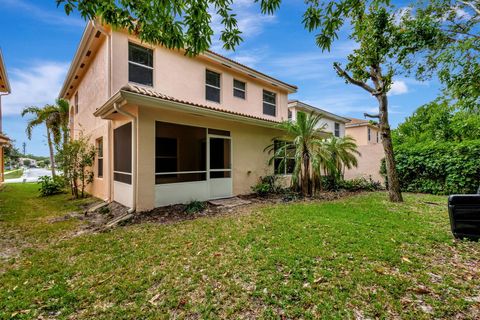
<point>50,186</point>
<point>195,207</point>
<point>267,185</point>
<point>439,168</point>
<point>360,184</point>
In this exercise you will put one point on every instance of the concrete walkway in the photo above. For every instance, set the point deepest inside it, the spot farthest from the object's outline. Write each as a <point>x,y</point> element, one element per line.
<point>31,175</point>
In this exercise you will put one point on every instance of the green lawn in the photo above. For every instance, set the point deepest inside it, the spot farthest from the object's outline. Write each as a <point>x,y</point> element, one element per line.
<point>13,174</point>
<point>352,258</point>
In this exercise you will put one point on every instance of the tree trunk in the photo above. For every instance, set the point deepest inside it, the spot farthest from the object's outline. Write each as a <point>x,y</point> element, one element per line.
<point>394,192</point>
<point>50,147</point>
<point>306,180</point>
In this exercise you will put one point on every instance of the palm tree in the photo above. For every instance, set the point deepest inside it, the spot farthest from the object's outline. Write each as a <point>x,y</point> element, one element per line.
<point>58,119</point>
<point>306,140</point>
<point>343,152</point>
<point>41,115</point>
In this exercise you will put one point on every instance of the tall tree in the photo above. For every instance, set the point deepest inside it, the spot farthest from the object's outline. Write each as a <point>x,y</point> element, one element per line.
<point>58,119</point>
<point>41,116</point>
<point>454,56</point>
<point>371,66</point>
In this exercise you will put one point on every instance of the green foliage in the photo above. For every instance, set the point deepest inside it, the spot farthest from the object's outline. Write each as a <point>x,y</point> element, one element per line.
<point>360,184</point>
<point>439,167</point>
<point>267,185</point>
<point>27,163</point>
<point>195,207</point>
<point>50,186</point>
<point>438,121</point>
<point>76,160</point>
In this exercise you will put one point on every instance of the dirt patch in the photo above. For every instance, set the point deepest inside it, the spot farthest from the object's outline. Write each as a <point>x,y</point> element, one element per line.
<point>177,213</point>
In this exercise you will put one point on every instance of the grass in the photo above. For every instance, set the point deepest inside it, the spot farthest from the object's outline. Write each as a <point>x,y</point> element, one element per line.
<point>14,174</point>
<point>351,258</point>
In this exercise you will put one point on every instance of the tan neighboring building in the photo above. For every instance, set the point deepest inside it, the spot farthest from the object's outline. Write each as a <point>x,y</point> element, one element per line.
<point>368,138</point>
<point>4,90</point>
<point>170,128</point>
<point>334,124</point>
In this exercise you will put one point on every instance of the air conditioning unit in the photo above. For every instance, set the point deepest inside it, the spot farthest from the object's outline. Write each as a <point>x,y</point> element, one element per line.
<point>464,212</point>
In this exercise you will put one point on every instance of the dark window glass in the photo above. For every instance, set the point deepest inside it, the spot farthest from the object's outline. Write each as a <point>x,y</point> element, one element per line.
<point>140,65</point>
<point>369,134</point>
<point>122,153</point>
<point>220,174</point>
<point>337,129</point>
<point>289,114</point>
<point>180,149</point>
<point>269,103</point>
<point>76,103</point>
<point>284,161</point>
<point>239,89</point>
<point>212,86</point>
<point>100,157</point>
<point>220,153</point>
<point>219,132</point>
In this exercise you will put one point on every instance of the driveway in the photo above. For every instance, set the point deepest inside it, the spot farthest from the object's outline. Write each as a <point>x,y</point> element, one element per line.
<point>31,175</point>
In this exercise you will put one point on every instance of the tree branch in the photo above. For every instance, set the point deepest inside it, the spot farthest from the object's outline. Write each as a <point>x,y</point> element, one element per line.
<point>471,5</point>
<point>367,115</point>
<point>342,73</point>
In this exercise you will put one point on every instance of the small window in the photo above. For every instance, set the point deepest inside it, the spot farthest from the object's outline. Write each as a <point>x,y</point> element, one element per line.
<point>284,159</point>
<point>76,103</point>
<point>337,129</point>
<point>99,157</point>
<point>212,86</point>
<point>378,137</point>
<point>140,65</point>
<point>269,103</point>
<point>369,135</point>
<point>239,90</point>
<point>289,114</point>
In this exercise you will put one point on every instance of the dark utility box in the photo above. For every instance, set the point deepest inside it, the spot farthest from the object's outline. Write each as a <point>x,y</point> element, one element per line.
<point>464,212</point>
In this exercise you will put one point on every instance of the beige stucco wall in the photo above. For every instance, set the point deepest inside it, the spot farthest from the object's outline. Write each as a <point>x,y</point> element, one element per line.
<point>183,77</point>
<point>360,134</point>
<point>249,161</point>
<point>368,163</point>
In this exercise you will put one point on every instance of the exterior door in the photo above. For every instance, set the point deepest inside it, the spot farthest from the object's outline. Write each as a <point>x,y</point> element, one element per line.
<point>220,166</point>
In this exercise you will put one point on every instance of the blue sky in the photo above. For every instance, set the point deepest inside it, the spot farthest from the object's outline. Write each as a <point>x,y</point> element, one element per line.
<point>38,42</point>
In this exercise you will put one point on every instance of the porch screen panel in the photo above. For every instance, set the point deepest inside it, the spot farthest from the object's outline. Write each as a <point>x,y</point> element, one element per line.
<point>180,153</point>
<point>220,160</point>
<point>122,154</point>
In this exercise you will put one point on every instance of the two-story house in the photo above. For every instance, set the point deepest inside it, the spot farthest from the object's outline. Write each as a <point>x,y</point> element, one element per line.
<point>330,123</point>
<point>369,141</point>
<point>170,128</point>
<point>4,90</point>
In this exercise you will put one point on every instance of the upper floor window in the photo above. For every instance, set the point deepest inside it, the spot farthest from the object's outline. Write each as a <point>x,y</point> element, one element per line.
<point>99,143</point>
<point>212,86</point>
<point>269,103</point>
<point>239,89</point>
<point>290,115</point>
<point>284,157</point>
<point>140,65</point>
<point>337,129</point>
<point>369,135</point>
<point>76,102</point>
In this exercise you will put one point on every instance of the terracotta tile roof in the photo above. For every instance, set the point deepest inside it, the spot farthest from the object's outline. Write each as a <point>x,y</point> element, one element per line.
<point>249,68</point>
<point>358,122</point>
<point>155,94</point>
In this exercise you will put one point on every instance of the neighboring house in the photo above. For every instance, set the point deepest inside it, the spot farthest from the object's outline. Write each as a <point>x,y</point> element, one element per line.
<point>4,90</point>
<point>169,128</point>
<point>334,124</point>
<point>365,132</point>
<point>33,162</point>
<point>369,141</point>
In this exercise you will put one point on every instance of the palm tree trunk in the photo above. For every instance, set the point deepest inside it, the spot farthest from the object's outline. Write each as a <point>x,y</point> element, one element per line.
<point>50,147</point>
<point>394,192</point>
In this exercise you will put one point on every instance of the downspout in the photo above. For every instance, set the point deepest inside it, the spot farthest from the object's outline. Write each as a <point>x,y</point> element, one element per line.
<point>116,107</point>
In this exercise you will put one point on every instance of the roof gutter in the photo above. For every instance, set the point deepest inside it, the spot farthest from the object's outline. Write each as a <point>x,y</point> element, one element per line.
<point>116,107</point>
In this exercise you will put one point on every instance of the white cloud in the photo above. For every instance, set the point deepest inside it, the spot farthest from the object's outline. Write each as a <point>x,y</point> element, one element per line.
<point>36,85</point>
<point>58,17</point>
<point>398,87</point>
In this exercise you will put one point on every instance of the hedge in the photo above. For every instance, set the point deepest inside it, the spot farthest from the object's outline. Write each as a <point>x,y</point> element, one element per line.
<point>439,168</point>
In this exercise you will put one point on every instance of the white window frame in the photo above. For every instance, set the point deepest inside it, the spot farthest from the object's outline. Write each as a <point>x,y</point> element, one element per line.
<point>142,65</point>
<point>369,134</point>
<point>239,89</point>
<point>335,124</point>
<point>285,158</point>
<point>99,157</point>
<point>272,104</point>
<point>212,86</point>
